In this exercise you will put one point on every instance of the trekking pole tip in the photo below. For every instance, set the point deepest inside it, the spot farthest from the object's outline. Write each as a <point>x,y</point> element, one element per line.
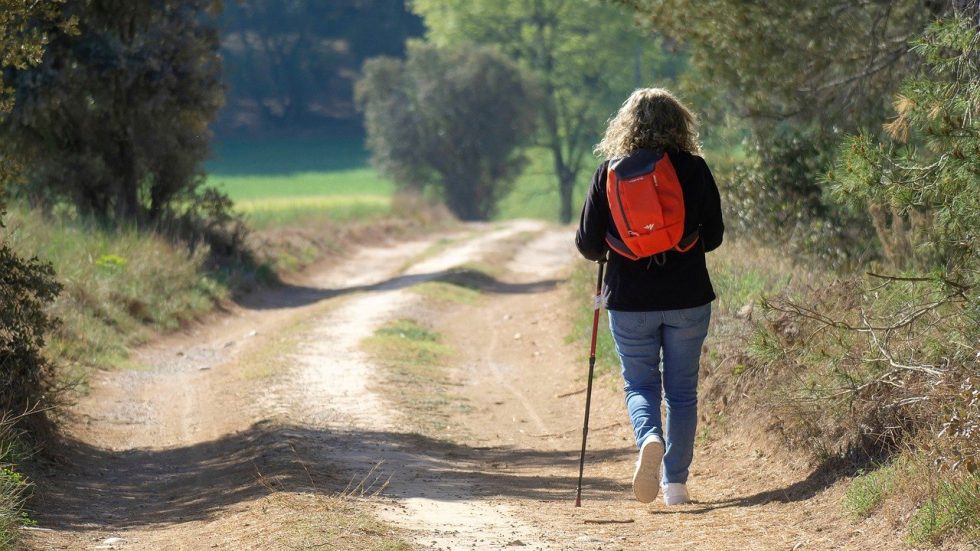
<point>578,501</point>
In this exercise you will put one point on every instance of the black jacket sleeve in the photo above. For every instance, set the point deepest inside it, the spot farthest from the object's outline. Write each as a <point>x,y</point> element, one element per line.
<point>712,225</point>
<point>594,223</point>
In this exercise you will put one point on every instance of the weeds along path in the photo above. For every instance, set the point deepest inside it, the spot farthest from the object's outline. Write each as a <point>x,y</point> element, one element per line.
<point>272,427</point>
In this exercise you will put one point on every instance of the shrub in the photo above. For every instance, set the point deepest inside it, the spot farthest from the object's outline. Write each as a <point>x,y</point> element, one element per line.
<point>114,117</point>
<point>27,287</point>
<point>452,121</point>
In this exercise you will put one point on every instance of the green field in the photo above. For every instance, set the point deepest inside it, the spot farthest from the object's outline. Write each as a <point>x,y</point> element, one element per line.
<point>294,181</point>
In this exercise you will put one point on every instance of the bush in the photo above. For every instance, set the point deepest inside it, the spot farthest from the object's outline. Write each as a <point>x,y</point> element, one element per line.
<point>777,198</point>
<point>450,121</point>
<point>27,287</point>
<point>114,118</point>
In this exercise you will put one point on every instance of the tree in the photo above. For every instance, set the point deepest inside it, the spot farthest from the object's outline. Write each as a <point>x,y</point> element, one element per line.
<point>115,118</point>
<point>454,120</point>
<point>798,75</point>
<point>292,65</point>
<point>587,55</point>
<point>921,181</point>
<point>27,287</point>
<point>22,44</point>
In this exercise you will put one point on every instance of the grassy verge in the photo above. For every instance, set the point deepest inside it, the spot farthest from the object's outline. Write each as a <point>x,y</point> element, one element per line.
<point>119,287</point>
<point>932,506</point>
<point>14,487</point>
<point>415,357</point>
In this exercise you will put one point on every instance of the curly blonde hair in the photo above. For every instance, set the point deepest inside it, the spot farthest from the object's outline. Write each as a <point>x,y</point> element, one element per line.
<point>651,118</point>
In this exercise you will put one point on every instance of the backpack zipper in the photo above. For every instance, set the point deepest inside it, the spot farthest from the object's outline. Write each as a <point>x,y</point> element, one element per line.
<point>622,209</point>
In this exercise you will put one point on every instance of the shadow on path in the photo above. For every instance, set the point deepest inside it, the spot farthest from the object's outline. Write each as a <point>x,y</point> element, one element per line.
<point>294,296</point>
<point>821,478</point>
<point>98,489</point>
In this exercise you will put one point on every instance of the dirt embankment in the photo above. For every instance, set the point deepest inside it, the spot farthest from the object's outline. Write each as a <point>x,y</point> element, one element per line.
<point>241,433</point>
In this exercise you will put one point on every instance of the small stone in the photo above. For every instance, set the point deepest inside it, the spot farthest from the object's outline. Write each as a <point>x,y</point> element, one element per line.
<point>517,336</point>
<point>745,312</point>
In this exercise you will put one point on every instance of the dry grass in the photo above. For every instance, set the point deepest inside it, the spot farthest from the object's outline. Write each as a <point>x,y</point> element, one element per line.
<point>829,367</point>
<point>416,377</point>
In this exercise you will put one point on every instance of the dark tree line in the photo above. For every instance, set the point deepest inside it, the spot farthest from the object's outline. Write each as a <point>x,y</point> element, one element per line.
<point>292,65</point>
<point>114,118</point>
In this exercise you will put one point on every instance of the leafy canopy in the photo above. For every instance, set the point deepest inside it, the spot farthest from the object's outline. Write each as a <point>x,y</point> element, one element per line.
<point>115,118</point>
<point>587,55</point>
<point>451,120</point>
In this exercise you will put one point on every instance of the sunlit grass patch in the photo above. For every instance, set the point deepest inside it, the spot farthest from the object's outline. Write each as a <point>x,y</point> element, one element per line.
<point>581,287</point>
<point>318,521</point>
<point>407,344</point>
<point>954,508</point>
<point>869,489</point>
<point>416,377</point>
<point>742,273</point>
<point>271,212</point>
<point>360,181</point>
<point>117,286</point>
<point>535,193</point>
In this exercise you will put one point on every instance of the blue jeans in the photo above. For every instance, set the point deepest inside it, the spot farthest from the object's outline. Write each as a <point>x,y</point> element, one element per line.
<point>640,337</point>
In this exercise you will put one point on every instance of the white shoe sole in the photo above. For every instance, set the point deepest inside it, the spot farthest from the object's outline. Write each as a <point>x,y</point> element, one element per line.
<point>676,494</point>
<point>646,477</point>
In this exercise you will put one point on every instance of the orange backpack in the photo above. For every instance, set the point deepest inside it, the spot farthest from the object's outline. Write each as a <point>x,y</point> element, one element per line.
<point>647,206</point>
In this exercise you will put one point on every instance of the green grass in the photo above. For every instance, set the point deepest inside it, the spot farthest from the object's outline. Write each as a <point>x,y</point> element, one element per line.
<point>447,292</point>
<point>582,289</point>
<point>13,486</point>
<point>119,286</point>
<point>414,358</point>
<point>296,182</point>
<point>742,273</point>
<point>535,193</point>
<point>954,508</point>
<point>868,490</point>
<point>301,198</point>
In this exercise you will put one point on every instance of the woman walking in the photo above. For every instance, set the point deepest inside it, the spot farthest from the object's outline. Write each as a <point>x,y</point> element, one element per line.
<point>659,305</point>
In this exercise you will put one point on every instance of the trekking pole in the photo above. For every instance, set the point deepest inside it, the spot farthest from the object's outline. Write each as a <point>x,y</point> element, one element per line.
<point>588,391</point>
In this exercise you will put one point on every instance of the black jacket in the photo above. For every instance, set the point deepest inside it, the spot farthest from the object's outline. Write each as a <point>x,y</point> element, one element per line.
<point>641,285</point>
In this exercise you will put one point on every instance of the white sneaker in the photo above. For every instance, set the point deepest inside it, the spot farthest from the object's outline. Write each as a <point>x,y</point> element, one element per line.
<point>646,477</point>
<point>675,493</point>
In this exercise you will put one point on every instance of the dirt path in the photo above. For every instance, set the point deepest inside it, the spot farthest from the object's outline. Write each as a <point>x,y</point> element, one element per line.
<point>230,432</point>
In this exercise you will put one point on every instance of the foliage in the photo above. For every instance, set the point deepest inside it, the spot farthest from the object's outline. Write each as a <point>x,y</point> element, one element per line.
<point>450,120</point>
<point>587,55</point>
<point>27,287</point>
<point>14,486</point>
<point>292,65</point>
<point>832,62</point>
<point>115,116</point>
<point>922,186</point>
<point>880,361</point>
<point>797,75</point>
<point>22,45</point>
<point>775,197</point>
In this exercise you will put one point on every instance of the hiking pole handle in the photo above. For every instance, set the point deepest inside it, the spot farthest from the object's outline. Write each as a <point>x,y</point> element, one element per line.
<point>597,304</point>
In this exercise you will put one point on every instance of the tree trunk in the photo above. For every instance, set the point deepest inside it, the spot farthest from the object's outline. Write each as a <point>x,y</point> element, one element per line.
<point>127,202</point>
<point>566,184</point>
